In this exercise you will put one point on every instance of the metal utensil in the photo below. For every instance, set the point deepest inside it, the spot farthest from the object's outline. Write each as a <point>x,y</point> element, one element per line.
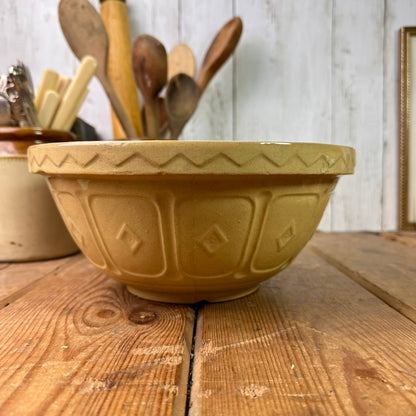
<point>5,112</point>
<point>20,95</point>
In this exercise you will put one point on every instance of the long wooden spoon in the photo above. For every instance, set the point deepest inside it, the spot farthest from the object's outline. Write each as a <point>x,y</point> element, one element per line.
<point>182,95</point>
<point>85,33</point>
<point>150,67</point>
<point>220,50</point>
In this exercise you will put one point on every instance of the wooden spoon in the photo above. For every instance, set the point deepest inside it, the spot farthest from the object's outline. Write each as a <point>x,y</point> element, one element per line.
<point>181,60</point>
<point>163,117</point>
<point>150,67</point>
<point>85,33</point>
<point>182,95</point>
<point>220,50</point>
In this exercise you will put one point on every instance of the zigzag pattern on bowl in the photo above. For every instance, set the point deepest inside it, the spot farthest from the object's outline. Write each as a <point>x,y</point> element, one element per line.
<point>289,160</point>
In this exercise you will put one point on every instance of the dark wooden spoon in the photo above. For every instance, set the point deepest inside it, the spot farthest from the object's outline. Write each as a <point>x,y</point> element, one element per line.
<point>150,67</point>
<point>181,99</point>
<point>220,50</point>
<point>182,96</point>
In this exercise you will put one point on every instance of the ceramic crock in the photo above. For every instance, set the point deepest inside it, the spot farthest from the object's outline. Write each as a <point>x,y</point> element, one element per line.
<point>31,227</point>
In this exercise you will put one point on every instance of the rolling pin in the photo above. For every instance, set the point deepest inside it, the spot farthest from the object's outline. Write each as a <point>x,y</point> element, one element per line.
<point>115,16</point>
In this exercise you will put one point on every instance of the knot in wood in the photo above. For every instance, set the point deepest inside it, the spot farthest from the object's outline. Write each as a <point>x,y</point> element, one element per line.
<point>142,316</point>
<point>106,313</point>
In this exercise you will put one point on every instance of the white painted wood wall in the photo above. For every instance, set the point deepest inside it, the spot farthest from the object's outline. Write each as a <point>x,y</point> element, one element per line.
<point>305,70</point>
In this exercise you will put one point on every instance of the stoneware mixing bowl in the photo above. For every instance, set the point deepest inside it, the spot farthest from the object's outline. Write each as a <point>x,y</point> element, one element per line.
<point>183,221</point>
<point>30,225</point>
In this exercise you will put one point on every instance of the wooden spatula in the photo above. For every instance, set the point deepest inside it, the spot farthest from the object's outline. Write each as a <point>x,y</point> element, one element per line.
<point>86,34</point>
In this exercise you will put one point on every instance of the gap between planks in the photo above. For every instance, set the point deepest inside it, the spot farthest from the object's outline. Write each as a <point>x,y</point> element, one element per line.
<point>312,399</point>
<point>76,344</point>
<point>17,279</point>
<point>310,341</point>
<point>383,266</point>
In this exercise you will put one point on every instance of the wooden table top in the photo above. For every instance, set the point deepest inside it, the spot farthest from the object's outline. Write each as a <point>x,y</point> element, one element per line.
<point>333,334</point>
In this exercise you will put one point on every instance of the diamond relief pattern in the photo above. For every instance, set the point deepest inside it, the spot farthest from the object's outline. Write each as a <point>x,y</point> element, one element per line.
<point>129,238</point>
<point>213,239</point>
<point>287,235</point>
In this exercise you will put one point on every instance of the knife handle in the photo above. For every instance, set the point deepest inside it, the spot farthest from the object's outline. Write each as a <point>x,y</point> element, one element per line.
<point>48,108</point>
<point>48,82</point>
<point>75,92</point>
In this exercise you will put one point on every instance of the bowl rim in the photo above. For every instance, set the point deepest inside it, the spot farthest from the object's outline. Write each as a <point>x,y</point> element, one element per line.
<point>196,157</point>
<point>35,134</point>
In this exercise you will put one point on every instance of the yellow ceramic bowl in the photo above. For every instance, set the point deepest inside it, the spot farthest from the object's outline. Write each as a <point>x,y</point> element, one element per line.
<point>181,221</point>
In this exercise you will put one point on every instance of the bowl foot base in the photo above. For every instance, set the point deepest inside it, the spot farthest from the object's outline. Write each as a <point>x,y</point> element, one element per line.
<point>190,297</point>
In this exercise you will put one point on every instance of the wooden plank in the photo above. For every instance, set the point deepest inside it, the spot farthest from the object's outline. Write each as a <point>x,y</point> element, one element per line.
<point>384,267</point>
<point>310,341</point>
<point>357,87</point>
<point>17,278</point>
<point>158,18</point>
<point>280,39</point>
<point>199,24</point>
<point>275,98</point>
<point>79,343</point>
<point>398,13</point>
<point>404,237</point>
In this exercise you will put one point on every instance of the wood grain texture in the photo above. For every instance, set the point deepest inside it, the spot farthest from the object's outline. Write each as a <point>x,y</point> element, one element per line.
<point>357,106</point>
<point>115,15</point>
<point>283,64</point>
<point>385,268</point>
<point>199,24</point>
<point>18,278</point>
<point>398,13</point>
<point>309,342</point>
<point>79,343</point>
<point>407,238</point>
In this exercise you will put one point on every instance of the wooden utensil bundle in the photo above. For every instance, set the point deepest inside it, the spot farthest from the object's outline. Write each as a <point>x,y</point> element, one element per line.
<point>58,98</point>
<point>183,91</point>
<point>89,33</point>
